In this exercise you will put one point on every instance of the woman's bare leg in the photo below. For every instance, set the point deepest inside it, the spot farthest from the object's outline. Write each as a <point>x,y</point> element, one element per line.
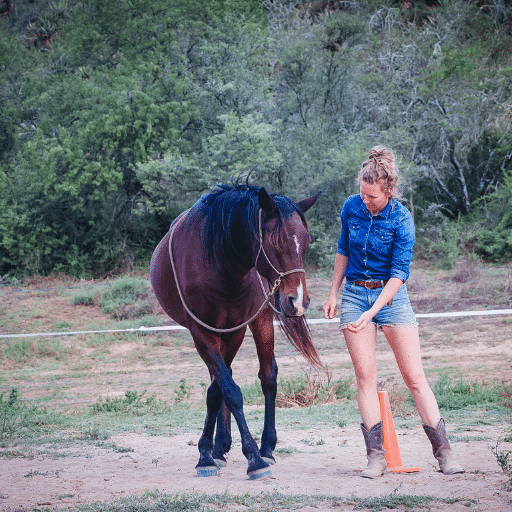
<point>405,343</point>
<point>361,347</point>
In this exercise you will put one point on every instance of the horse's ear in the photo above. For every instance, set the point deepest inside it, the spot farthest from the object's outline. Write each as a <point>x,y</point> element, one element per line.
<point>307,203</point>
<point>267,203</point>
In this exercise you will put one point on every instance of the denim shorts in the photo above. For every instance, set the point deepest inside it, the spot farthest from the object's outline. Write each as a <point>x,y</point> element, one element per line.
<point>358,299</point>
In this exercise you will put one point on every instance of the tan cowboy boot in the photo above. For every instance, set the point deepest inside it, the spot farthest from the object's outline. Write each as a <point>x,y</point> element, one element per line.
<point>374,440</point>
<point>442,450</point>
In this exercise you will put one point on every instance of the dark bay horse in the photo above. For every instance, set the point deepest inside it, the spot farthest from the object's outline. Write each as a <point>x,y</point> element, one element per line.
<point>216,272</point>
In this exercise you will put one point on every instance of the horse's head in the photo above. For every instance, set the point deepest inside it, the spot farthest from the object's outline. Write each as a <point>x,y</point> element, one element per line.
<point>284,240</point>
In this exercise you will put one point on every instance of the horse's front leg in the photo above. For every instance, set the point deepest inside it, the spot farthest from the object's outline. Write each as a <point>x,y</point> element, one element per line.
<point>263,332</point>
<point>269,435</point>
<point>232,395</point>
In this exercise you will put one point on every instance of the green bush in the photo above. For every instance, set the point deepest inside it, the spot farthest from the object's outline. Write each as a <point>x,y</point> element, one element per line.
<point>494,238</point>
<point>123,291</point>
<point>132,403</point>
<point>85,298</point>
<point>14,414</point>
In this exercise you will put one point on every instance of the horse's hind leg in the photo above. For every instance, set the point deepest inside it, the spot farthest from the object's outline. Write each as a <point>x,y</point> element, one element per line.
<point>230,346</point>
<point>206,465</point>
<point>222,436</point>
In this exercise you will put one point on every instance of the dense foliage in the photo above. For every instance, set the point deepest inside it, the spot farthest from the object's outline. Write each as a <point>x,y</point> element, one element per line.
<point>115,116</point>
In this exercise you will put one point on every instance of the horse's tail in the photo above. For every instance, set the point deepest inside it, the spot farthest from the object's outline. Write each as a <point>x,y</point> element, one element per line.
<point>296,330</point>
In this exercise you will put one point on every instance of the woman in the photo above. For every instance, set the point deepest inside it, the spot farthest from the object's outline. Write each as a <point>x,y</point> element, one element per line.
<point>374,254</point>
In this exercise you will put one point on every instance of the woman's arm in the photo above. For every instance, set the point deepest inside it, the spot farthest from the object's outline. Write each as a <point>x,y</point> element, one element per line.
<point>340,264</point>
<point>387,293</point>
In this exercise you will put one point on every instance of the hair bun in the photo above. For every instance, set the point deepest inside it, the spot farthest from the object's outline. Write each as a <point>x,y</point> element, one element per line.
<point>383,156</point>
<point>381,168</point>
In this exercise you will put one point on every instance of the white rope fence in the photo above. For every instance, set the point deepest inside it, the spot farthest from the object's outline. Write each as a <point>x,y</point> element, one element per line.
<point>311,322</point>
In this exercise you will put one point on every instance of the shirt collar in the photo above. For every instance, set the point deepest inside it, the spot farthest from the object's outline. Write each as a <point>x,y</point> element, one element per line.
<point>388,209</point>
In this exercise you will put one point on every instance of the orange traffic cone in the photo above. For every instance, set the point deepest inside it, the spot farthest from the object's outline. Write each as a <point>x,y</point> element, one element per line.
<point>393,457</point>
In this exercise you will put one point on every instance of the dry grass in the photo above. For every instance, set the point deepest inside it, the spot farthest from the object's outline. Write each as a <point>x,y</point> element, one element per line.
<point>469,286</point>
<point>314,390</point>
<point>107,362</point>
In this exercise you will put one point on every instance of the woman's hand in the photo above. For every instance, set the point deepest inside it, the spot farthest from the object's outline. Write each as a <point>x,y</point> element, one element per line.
<point>387,293</point>
<point>340,264</point>
<point>330,307</point>
<point>361,322</point>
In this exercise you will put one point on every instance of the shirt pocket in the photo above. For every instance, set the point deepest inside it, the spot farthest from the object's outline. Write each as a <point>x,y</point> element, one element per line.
<point>355,232</point>
<point>382,240</point>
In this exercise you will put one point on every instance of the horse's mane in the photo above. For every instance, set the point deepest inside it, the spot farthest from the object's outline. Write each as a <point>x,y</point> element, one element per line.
<point>230,220</point>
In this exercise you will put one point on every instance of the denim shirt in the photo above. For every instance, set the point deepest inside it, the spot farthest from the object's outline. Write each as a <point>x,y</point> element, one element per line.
<point>378,247</point>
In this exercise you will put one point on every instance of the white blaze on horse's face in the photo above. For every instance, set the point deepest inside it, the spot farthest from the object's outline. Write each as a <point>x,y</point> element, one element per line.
<point>297,244</point>
<point>298,303</point>
<point>284,255</point>
<point>294,295</point>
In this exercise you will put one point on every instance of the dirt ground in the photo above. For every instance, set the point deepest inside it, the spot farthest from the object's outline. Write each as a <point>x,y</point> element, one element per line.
<point>101,475</point>
<point>478,349</point>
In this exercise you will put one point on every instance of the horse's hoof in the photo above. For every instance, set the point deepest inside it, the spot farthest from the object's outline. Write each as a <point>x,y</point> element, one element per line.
<point>220,463</point>
<point>268,460</point>
<point>207,471</point>
<point>259,473</point>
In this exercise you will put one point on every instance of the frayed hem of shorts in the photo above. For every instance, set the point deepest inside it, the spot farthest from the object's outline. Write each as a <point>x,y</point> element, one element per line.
<point>344,326</point>
<point>409,324</point>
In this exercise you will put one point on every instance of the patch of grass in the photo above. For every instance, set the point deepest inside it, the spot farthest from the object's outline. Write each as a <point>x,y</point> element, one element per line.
<point>264,502</point>
<point>252,393</point>
<point>122,449</point>
<point>61,326</point>
<point>132,403</point>
<point>124,291</point>
<point>27,350</point>
<point>32,473</point>
<point>306,390</point>
<point>468,439</point>
<point>313,442</point>
<point>302,391</point>
<point>64,496</point>
<point>95,433</point>
<point>286,450</point>
<point>330,415</point>
<point>142,320</point>
<point>18,418</point>
<point>504,459</point>
<point>182,391</point>
<point>14,414</point>
<point>462,394</point>
<point>506,396</point>
<point>395,501</point>
<point>84,298</point>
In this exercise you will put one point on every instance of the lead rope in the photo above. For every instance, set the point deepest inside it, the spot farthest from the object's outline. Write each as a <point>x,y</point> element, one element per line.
<point>277,282</point>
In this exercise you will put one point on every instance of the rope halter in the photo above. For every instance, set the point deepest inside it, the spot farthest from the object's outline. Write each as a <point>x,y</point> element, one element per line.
<point>261,250</point>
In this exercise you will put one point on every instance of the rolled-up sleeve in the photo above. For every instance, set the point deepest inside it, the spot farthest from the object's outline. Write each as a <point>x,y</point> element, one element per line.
<point>405,238</point>
<point>343,247</point>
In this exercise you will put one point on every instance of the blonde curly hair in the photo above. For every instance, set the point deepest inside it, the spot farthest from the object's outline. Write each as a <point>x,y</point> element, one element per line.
<point>381,168</point>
